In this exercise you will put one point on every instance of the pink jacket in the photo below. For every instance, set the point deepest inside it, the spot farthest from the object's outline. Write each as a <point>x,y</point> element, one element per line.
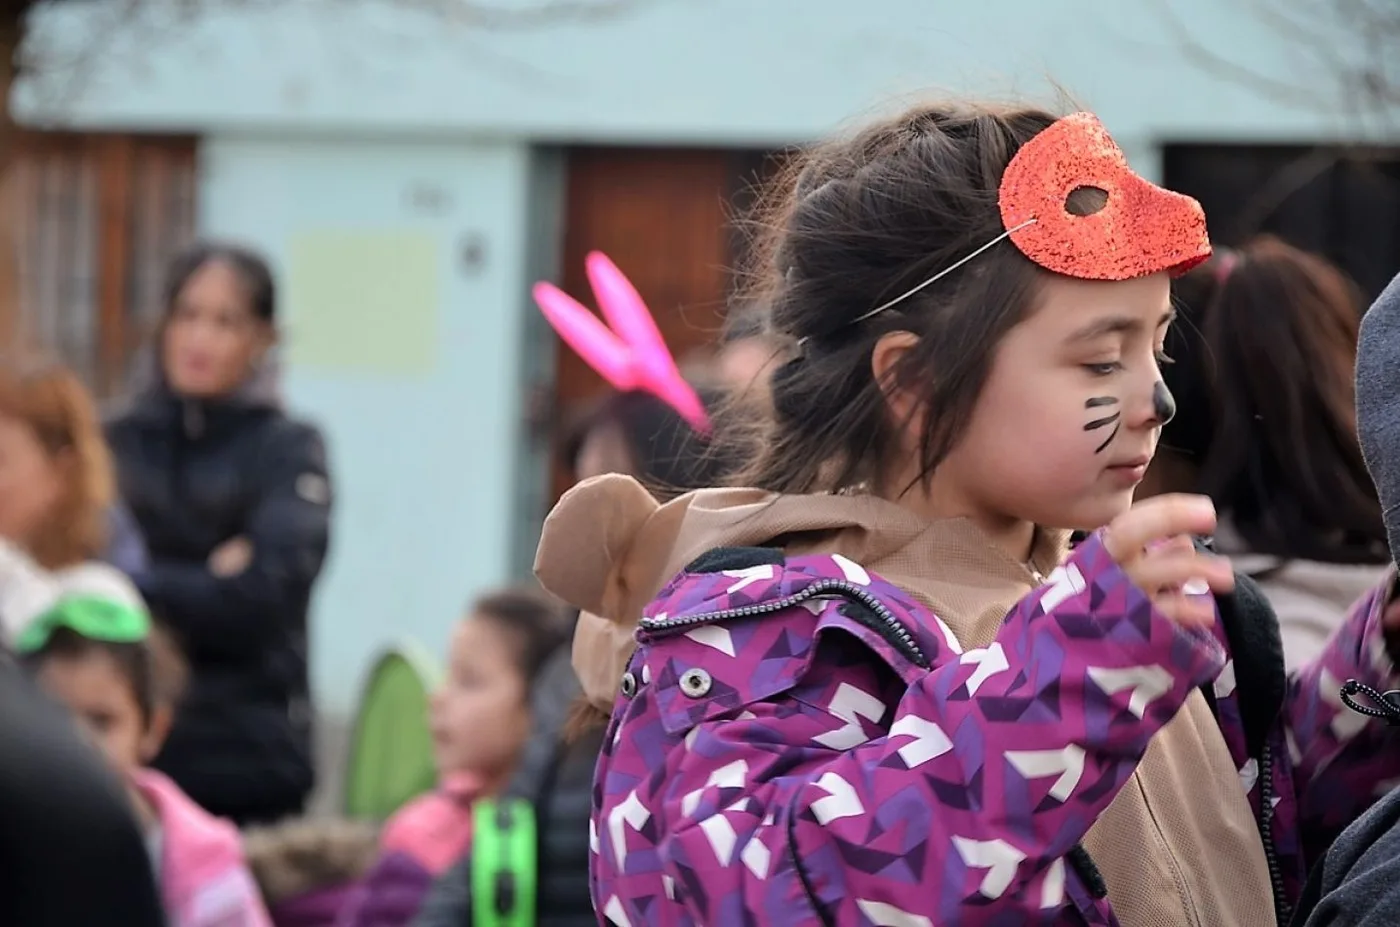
<point>419,842</point>
<point>204,878</point>
<point>436,828</point>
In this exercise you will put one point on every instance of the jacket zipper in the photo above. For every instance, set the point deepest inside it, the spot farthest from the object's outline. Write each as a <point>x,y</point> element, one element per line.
<point>192,419</point>
<point>1282,912</point>
<point>887,625</point>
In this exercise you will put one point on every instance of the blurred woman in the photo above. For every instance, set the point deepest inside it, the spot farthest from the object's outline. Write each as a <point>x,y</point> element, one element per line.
<point>1262,374</point>
<point>234,499</point>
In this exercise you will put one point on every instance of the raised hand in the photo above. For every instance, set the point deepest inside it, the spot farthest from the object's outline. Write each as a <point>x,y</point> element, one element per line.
<point>1152,542</point>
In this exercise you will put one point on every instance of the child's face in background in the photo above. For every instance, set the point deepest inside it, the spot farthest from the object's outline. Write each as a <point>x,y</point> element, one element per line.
<point>480,715</point>
<point>1071,410</point>
<point>93,687</point>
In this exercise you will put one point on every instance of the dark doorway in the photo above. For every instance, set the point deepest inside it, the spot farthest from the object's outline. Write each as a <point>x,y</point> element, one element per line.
<point>1340,202</point>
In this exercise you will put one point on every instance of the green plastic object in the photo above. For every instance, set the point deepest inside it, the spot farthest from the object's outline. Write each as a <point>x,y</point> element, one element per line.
<point>391,744</point>
<point>504,849</point>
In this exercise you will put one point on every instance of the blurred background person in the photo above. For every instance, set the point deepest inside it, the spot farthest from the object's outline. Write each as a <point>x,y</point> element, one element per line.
<point>57,495</point>
<point>103,659</point>
<point>636,434</point>
<point>482,717</point>
<point>70,847</point>
<point>234,499</point>
<point>746,354</point>
<point>1262,361</point>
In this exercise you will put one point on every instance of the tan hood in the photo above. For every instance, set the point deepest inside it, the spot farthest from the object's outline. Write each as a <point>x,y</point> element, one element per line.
<point>608,548</point>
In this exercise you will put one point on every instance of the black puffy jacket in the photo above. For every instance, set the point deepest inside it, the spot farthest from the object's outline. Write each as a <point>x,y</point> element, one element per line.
<point>557,777</point>
<point>197,474</point>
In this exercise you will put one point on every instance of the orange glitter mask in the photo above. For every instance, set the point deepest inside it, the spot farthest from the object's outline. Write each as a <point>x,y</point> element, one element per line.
<point>1142,229</point>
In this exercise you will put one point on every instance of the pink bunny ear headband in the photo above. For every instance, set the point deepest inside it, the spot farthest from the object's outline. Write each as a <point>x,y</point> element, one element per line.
<point>628,352</point>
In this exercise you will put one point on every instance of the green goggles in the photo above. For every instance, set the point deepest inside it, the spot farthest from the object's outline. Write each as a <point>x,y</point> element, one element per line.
<point>96,619</point>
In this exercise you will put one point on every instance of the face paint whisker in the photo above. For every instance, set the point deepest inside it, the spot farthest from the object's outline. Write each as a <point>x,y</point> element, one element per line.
<point>1101,422</point>
<point>1099,401</point>
<point>1109,440</point>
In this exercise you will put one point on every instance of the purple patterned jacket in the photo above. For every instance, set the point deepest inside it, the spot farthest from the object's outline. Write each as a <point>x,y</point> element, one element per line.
<point>799,742</point>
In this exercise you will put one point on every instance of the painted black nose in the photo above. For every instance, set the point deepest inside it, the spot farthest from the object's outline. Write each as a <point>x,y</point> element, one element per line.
<point>1163,405</point>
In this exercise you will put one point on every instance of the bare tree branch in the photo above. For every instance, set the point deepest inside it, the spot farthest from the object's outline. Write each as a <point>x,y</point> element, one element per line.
<point>480,14</point>
<point>1218,64</point>
<point>120,30</point>
<point>495,17</point>
<point>1347,52</point>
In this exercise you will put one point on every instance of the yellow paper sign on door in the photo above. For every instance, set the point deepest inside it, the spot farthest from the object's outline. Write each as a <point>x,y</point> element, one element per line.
<point>364,301</point>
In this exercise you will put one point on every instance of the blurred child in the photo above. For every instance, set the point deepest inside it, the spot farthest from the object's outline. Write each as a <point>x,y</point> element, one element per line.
<point>748,353</point>
<point>101,658</point>
<point>481,719</point>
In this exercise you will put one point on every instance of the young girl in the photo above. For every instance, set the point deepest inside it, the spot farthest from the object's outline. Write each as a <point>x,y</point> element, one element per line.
<point>881,690</point>
<point>480,719</point>
<point>98,657</point>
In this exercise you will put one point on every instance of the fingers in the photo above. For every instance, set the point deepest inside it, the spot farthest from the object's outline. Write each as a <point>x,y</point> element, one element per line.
<point>1182,571</point>
<point>1181,543</point>
<point>1188,610</point>
<point>1156,519</point>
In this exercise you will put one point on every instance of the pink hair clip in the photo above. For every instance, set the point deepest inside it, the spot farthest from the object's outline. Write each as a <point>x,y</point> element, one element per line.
<point>1225,264</point>
<point>628,351</point>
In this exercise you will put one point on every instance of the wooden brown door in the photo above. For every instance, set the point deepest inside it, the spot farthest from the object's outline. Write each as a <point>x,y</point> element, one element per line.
<point>93,219</point>
<point>663,216</point>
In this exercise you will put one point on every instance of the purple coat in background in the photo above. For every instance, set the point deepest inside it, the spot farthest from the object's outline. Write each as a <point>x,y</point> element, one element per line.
<point>317,908</point>
<point>390,895</point>
<point>754,774</point>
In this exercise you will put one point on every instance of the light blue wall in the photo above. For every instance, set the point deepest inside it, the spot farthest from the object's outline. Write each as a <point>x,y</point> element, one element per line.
<point>425,460</point>
<point>717,71</point>
<point>349,118</point>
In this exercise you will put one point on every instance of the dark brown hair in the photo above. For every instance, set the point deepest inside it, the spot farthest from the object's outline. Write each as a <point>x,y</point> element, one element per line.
<point>1263,376</point>
<point>51,400</point>
<point>854,223</point>
<point>154,668</point>
<point>250,268</point>
<point>537,624</point>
